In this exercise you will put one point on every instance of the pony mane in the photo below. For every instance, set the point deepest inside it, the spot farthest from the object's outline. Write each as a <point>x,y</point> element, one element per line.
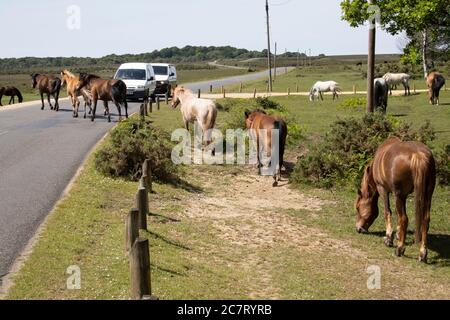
<point>368,188</point>
<point>68,73</point>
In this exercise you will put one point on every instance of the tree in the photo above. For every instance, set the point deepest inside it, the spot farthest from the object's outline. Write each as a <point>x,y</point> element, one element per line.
<point>410,16</point>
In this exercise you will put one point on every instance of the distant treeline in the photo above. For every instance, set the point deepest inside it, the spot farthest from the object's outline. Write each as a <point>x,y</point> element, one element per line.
<point>188,54</point>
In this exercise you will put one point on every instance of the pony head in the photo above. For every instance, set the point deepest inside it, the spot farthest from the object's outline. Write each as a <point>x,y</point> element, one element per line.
<point>250,116</point>
<point>84,80</point>
<point>367,202</point>
<point>176,93</point>
<point>34,80</point>
<point>312,94</point>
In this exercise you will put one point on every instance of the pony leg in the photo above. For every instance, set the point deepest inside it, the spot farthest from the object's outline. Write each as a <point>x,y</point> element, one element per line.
<point>424,235</point>
<point>49,102</point>
<point>56,96</point>
<point>94,101</point>
<point>105,103</point>
<point>119,109</point>
<point>388,240</point>
<point>400,203</point>
<point>42,99</point>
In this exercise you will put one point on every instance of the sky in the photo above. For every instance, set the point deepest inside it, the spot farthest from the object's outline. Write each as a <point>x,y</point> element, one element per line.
<point>96,28</point>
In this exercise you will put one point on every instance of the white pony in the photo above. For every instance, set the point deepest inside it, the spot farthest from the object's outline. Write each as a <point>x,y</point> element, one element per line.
<point>203,111</point>
<point>324,86</point>
<point>393,79</point>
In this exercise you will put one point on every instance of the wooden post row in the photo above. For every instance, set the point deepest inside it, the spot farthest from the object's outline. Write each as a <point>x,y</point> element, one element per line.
<point>143,207</point>
<point>131,229</point>
<point>140,269</point>
<point>147,176</point>
<point>158,103</point>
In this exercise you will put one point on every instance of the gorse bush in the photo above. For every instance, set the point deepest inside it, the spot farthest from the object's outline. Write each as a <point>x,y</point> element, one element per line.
<point>127,147</point>
<point>443,166</point>
<point>340,157</point>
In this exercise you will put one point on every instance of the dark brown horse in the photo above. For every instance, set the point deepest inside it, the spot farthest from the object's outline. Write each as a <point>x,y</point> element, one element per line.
<point>105,90</point>
<point>399,168</point>
<point>49,85</point>
<point>12,92</point>
<point>435,82</point>
<point>261,127</point>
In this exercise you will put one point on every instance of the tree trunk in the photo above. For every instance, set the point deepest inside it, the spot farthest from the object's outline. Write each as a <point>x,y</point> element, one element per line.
<point>425,53</point>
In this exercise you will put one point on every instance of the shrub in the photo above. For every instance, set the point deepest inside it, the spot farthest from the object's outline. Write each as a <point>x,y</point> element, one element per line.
<point>443,166</point>
<point>343,153</point>
<point>353,103</point>
<point>127,147</point>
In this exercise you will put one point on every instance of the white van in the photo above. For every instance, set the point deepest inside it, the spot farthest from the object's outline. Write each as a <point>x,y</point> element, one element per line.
<point>139,77</point>
<point>166,77</point>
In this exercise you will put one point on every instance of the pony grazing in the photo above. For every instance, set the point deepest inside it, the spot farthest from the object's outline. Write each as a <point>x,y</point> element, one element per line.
<point>72,82</point>
<point>324,86</point>
<point>49,85</point>
<point>261,128</point>
<point>381,94</point>
<point>12,92</point>
<point>203,111</point>
<point>399,168</point>
<point>394,79</point>
<point>106,90</point>
<point>435,82</point>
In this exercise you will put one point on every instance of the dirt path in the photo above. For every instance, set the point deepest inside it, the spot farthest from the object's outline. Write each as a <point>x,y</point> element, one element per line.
<point>259,232</point>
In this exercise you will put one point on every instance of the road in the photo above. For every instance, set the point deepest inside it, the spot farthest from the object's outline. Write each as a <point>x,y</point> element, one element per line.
<point>40,152</point>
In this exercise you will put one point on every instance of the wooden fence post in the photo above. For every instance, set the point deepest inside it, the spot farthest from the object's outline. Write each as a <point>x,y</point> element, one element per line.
<point>199,93</point>
<point>296,88</point>
<point>131,229</point>
<point>158,103</point>
<point>224,93</point>
<point>140,269</point>
<point>143,207</point>
<point>151,105</point>
<point>147,176</point>
<point>210,88</point>
<point>167,98</point>
<point>289,92</point>
<point>354,89</point>
<point>414,87</point>
<point>241,87</point>
<point>254,93</point>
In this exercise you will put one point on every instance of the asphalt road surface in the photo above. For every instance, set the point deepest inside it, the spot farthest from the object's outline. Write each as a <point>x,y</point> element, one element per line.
<point>40,152</point>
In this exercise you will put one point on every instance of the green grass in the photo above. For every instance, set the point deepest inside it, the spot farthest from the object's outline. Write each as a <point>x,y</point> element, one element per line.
<point>192,260</point>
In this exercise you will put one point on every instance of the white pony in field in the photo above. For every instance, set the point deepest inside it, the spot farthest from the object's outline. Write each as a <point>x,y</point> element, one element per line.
<point>324,86</point>
<point>203,111</point>
<point>394,79</point>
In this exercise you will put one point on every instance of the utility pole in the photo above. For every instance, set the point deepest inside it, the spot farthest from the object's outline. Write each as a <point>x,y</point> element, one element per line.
<point>269,60</point>
<point>275,63</point>
<point>371,64</point>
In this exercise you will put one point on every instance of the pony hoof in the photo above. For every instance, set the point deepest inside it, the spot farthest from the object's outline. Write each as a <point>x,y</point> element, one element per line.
<point>399,252</point>
<point>84,117</point>
<point>423,259</point>
<point>275,184</point>
<point>388,242</point>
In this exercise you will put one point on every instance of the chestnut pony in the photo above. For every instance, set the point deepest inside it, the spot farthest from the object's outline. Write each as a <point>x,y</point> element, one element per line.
<point>435,82</point>
<point>12,92</point>
<point>106,90</point>
<point>49,85</point>
<point>72,82</point>
<point>261,127</point>
<point>400,168</point>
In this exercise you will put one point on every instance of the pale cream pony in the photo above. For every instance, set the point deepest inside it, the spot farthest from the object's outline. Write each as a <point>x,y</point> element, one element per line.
<point>193,109</point>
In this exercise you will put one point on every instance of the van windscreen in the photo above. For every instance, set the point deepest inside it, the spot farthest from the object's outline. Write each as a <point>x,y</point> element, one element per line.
<point>131,74</point>
<point>161,71</point>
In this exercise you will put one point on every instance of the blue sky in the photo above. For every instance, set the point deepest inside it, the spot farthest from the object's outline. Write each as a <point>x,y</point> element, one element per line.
<point>39,28</point>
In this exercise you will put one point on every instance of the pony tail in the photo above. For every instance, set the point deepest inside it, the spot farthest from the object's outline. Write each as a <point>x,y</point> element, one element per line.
<point>420,165</point>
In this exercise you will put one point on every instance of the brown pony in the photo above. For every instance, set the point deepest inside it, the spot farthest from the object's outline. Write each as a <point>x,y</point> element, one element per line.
<point>12,92</point>
<point>399,168</point>
<point>72,82</point>
<point>49,85</point>
<point>435,82</point>
<point>261,127</point>
<point>106,90</point>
